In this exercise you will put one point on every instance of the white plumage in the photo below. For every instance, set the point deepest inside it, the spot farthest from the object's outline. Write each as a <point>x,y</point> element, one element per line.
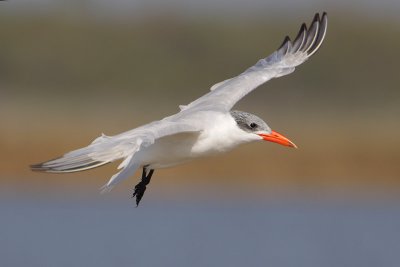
<point>203,127</point>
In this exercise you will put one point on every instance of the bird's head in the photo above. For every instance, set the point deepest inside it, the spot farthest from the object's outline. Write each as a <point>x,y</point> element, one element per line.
<point>254,125</point>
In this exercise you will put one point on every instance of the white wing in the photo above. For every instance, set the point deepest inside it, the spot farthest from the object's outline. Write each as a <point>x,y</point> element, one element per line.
<point>224,95</point>
<point>106,149</point>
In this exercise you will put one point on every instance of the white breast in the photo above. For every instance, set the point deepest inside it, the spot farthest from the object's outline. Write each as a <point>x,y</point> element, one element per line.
<point>220,134</point>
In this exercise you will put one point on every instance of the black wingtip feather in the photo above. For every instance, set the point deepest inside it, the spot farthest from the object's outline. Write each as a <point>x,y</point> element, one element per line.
<point>297,44</point>
<point>301,32</point>
<point>320,35</point>
<point>316,18</point>
<point>303,27</point>
<point>287,39</point>
<point>313,36</point>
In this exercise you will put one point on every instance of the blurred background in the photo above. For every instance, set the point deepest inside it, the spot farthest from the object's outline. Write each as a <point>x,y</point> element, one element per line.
<point>71,70</point>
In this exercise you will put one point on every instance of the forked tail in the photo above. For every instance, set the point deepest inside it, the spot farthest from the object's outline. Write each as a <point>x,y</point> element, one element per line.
<point>67,163</point>
<point>103,150</point>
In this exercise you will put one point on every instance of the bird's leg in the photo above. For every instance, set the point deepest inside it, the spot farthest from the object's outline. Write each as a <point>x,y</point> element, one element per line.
<point>140,188</point>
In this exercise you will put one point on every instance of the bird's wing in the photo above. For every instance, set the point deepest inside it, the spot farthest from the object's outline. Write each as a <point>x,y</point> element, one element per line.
<point>224,95</point>
<point>131,142</point>
<point>106,149</point>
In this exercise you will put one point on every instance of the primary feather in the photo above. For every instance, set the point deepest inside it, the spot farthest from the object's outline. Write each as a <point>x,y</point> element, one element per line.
<point>224,95</point>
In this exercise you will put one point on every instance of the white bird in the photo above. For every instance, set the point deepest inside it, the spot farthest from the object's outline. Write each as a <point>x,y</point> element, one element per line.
<point>204,127</point>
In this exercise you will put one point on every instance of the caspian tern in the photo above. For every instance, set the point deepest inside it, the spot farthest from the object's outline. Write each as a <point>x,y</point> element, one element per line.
<point>204,127</point>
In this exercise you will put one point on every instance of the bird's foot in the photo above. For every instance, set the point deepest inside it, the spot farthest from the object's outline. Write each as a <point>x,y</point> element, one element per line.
<point>140,188</point>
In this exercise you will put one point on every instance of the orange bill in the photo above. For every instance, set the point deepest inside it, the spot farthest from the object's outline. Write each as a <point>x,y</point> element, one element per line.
<point>277,138</point>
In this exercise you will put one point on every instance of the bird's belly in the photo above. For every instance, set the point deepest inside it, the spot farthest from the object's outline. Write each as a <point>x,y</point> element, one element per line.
<point>181,148</point>
<point>170,151</point>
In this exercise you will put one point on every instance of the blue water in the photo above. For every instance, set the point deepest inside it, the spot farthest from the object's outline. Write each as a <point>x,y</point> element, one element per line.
<point>111,232</point>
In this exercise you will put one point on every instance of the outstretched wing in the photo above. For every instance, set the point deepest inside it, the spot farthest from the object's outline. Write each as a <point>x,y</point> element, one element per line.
<point>224,95</point>
<point>106,149</point>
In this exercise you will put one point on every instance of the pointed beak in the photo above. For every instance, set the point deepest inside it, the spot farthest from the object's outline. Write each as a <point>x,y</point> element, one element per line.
<point>277,138</point>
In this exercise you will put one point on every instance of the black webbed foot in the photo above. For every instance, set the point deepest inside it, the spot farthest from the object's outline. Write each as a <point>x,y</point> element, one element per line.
<point>140,188</point>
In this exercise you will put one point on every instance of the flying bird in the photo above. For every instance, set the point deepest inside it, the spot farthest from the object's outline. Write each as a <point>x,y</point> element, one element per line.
<point>206,126</point>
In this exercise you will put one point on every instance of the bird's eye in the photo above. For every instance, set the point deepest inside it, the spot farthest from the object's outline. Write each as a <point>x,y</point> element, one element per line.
<point>253,125</point>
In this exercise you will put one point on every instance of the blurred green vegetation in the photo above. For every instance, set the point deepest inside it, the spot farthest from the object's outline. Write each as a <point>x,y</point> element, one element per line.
<point>71,56</point>
<point>65,79</point>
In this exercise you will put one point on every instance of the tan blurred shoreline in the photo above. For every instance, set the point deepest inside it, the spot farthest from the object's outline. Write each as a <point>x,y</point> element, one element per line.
<point>349,156</point>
